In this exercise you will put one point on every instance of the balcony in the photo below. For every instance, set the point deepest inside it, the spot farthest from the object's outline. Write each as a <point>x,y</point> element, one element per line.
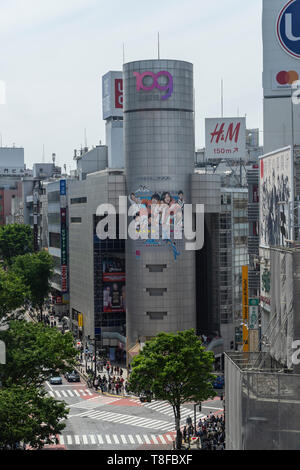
<point>253,245</point>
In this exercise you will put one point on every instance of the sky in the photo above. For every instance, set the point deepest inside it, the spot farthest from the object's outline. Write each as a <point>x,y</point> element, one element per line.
<point>55,52</point>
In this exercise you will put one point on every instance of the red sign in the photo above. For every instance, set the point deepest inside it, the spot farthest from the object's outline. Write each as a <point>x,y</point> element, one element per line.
<point>64,278</point>
<point>118,93</point>
<point>114,277</point>
<point>58,300</point>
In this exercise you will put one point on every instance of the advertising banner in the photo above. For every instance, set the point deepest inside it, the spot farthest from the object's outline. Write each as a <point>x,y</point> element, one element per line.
<point>281,44</point>
<point>113,277</point>
<point>158,220</point>
<point>63,247</point>
<point>225,138</point>
<point>245,304</point>
<point>112,95</point>
<point>276,196</point>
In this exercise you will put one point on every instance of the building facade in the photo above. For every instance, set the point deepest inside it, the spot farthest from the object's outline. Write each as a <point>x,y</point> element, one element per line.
<point>159,147</point>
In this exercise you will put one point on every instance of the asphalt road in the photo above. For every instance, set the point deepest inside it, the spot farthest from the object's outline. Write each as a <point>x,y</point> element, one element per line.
<point>106,422</point>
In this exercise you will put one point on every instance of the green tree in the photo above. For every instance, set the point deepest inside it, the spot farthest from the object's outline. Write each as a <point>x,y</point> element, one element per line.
<point>13,292</point>
<point>34,352</point>
<point>15,239</point>
<point>175,368</point>
<point>28,416</point>
<point>36,270</point>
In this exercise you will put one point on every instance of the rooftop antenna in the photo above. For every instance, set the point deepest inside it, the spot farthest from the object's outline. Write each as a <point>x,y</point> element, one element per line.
<point>222,98</point>
<point>158,46</point>
<point>85,138</point>
<point>53,158</point>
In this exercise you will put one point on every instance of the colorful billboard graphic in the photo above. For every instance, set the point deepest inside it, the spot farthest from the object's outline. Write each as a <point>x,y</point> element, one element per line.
<point>114,297</point>
<point>113,277</point>
<point>158,220</point>
<point>276,195</point>
<point>225,138</point>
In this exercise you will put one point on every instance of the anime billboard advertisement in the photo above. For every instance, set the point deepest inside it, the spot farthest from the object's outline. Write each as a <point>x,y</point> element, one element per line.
<point>157,220</point>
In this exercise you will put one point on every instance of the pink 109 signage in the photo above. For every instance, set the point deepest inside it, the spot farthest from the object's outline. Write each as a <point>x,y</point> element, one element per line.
<point>168,87</point>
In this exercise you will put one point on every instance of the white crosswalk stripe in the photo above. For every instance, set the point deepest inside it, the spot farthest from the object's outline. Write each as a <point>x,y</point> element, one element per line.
<point>165,408</point>
<point>72,393</point>
<point>114,439</point>
<point>133,420</point>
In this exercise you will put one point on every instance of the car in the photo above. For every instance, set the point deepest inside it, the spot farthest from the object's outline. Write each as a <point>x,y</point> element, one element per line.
<point>56,380</point>
<point>73,377</point>
<point>145,396</point>
<point>219,382</point>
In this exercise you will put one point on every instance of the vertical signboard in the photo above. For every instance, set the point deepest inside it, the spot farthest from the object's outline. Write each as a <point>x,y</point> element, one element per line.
<point>281,41</point>
<point>245,306</point>
<point>63,236</point>
<point>225,138</point>
<point>112,95</point>
<point>253,313</point>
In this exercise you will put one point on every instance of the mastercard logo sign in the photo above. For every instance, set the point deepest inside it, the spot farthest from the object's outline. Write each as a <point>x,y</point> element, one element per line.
<point>287,78</point>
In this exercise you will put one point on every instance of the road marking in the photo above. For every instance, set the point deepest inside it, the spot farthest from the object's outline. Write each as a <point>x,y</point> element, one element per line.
<point>64,393</point>
<point>85,440</point>
<point>146,439</point>
<point>83,393</point>
<point>92,437</point>
<point>70,393</point>
<point>107,439</point>
<point>77,440</point>
<point>100,440</point>
<point>116,439</point>
<point>131,439</point>
<point>51,394</point>
<point>169,437</point>
<point>49,385</point>
<point>69,440</point>
<point>154,439</point>
<point>123,439</point>
<point>162,439</point>
<point>76,393</point>
<point>139,439</point>
<point>61,440</point>
<point>57,394</point>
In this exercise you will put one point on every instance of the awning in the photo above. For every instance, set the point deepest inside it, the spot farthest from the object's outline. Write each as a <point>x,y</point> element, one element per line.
<point>134,350</point>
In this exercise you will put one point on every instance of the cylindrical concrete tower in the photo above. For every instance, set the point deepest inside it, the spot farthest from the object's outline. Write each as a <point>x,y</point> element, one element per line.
<point>159,148</point>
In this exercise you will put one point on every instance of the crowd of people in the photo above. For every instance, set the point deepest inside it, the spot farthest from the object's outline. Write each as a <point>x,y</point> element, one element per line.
<point>211,432</point>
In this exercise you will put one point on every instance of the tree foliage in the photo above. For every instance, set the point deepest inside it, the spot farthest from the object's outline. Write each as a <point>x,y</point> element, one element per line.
<point>34,352</point>
<point>36,270</point>
<point>13,292</point>
<point>28,416</point>
<point>175,368</point>
<point>15,239</point>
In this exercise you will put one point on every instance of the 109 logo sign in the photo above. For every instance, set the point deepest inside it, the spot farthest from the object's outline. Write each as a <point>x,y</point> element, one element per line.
<point>155,84</point>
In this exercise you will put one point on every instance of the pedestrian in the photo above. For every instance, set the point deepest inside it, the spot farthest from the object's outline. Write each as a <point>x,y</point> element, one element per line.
<point>184,433</point>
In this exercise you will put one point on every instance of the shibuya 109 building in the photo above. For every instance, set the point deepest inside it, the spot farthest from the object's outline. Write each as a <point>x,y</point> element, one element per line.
<point>159,149</point>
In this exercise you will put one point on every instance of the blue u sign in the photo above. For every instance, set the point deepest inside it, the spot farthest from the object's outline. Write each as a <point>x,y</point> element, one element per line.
<point>288,28</point>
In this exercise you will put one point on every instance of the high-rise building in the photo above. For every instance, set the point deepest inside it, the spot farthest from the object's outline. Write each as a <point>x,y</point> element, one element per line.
<point>159,149</point>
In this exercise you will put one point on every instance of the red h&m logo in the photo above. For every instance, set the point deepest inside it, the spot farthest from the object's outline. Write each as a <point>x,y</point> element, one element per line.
<point>220,134</point>
<point>119,93</point>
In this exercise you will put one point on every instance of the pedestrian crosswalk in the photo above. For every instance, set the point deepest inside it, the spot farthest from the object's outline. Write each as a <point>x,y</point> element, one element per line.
<point>70,393</point>
<point>138,421</point>
<point>165,408</point>
<point>115,439</point>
